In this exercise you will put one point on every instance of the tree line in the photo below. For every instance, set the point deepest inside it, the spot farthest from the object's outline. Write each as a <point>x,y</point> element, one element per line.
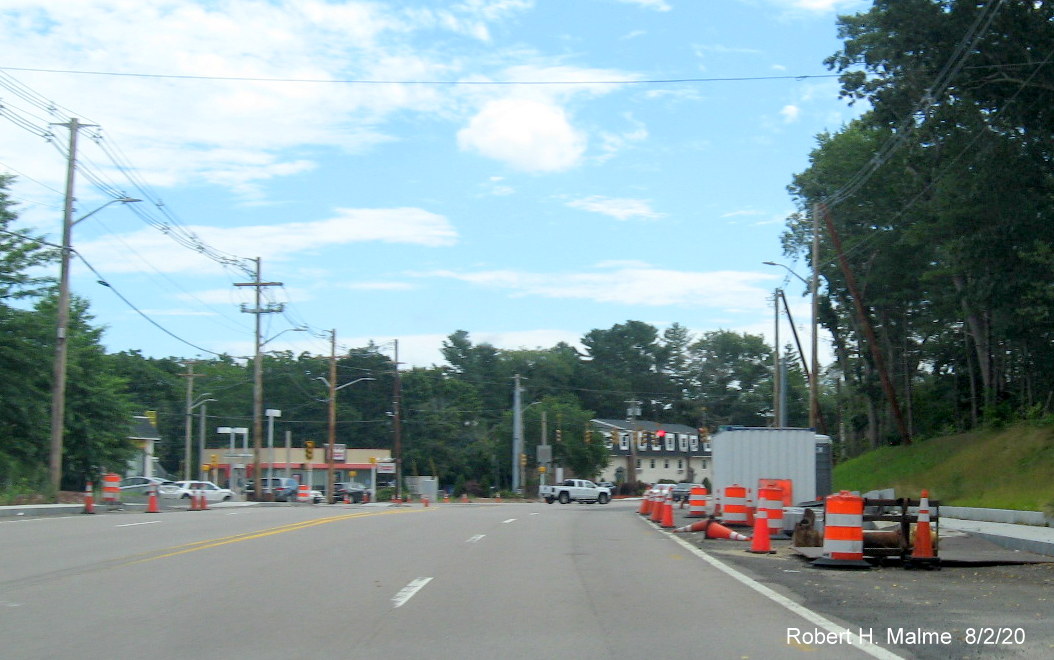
<point>931,213</point>
<point>940,196</point>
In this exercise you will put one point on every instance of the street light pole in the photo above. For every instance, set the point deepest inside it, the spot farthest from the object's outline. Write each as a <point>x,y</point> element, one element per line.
<point>58,383</point>
<point>813,287</point>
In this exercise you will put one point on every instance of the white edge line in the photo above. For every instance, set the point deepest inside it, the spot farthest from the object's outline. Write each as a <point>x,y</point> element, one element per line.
<point>475,539</point>
<point>870,648</point>
<point>408,592</point>
<point>506,522</point>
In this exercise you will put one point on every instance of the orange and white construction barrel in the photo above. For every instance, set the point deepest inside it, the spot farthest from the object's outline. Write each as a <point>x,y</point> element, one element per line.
<point>734,506</point>
<point>111,489</point>
<point>770,500</point>
<point>697,502</point>
<point>843,532</point>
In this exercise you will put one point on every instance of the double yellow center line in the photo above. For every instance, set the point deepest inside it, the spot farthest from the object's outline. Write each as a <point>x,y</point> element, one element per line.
<point>248,536</point>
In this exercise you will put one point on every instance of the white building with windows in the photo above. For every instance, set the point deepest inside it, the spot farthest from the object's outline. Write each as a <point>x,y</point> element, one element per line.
<point>657,451</point>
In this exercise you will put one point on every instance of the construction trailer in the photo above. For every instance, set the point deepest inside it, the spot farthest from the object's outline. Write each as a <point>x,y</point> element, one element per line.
<point>745,456</point>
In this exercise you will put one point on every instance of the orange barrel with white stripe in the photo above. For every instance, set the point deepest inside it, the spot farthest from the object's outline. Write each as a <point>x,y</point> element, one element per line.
<point>770,500</point>
<point>697,502</point>
<point>843,528</point>
<point>303,493</point>
<point>734,506</point>
<point>659,505</point>
<point>111,488</point>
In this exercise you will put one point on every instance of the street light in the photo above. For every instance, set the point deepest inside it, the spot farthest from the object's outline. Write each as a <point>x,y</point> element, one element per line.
<point>330,465</point>
<point>271,413</point>
<point>58,383</point>
<point>814,371</point>
<point>203,403</point>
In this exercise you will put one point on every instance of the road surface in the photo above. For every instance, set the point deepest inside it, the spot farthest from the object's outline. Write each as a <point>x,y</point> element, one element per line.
<point>514,580</point>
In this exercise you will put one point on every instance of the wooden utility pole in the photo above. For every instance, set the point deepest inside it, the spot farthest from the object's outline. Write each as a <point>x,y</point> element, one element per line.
<point>869,331</point>
<point>332,439</point>
<point>258,369</point>
<point>397,428</point>
<point>190,376</point>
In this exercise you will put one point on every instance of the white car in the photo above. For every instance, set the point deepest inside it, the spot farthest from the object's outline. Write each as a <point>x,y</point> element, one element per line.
<point>213,493</point>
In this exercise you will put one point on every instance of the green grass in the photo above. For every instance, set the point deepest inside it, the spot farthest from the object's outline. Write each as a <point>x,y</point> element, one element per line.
<point>1008,468</point>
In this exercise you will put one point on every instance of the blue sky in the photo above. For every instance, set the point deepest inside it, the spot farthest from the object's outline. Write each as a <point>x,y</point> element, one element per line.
<point>525,170</point>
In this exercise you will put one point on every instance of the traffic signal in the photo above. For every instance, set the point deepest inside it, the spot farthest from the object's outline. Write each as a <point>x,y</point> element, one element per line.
<point>589,436</point>
<point>309,449</point>
<point>661,433</point>
<point>523,459</point>
<point>215,461</point>
<point>559,435</point>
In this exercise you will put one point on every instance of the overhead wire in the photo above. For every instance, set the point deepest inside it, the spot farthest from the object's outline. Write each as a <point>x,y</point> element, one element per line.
<point>910,121</point>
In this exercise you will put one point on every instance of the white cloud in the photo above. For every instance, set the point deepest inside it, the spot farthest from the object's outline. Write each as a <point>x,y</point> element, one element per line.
<point>620,208</point>
<point>527,135</point>
<point>648,286</point>
<point>790,113</point>
<point>379,286</point>
<point>657,5</point>
<point>410,226</point>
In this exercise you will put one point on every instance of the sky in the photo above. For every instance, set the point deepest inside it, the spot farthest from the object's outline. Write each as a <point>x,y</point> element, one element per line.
<point>523,170</point>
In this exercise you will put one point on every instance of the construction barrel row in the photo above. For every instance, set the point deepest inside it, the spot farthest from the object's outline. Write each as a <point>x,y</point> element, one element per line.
<point>843,541</point>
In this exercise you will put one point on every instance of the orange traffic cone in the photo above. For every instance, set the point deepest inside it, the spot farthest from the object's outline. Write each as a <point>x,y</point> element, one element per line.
<point>761,544</point>
<point>667,514</point>
<point>89,498</point>
<point>424,500</point>
<point>695,527</point>
<point>464,498</point>
<point>719,531</point>
<point>713,530</point>
<point>645,505</point>
<point>656,510</point>
<point>922,551</point>
<point>151,500</point>
<point>203,501</point>
<point>194,501</point>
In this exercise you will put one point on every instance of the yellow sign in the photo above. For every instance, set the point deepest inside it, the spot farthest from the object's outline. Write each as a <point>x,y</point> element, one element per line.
<point>541,469</point>
<point>354,473</point>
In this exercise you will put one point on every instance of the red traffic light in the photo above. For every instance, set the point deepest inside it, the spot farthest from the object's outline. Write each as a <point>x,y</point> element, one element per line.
<point>661,433</point>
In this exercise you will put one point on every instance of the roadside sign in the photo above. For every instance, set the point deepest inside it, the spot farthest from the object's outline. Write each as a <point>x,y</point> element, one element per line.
<point>386,468</point>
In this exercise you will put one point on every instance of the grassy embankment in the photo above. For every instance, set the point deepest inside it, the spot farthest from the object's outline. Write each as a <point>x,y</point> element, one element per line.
<point>1009,468</point>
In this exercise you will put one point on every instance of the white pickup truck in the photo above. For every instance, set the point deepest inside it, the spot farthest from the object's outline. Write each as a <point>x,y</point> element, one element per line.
<point>575,490</point>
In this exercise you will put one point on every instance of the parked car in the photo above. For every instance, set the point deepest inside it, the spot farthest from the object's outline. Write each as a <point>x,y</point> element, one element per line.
<point>317,496</point>
<point>683,490</point>
<point>140,486</point>
<point>354,492</point>
<point>213,493</point>
<point>610,486</point>
<point>284,488</point>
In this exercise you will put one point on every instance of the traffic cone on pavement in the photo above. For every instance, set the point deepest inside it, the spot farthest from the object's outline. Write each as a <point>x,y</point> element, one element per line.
<point>719,531</point>
<point>761,544</point>
<point>667,514</point>
<point>203,501</point>
<point>645,505</point>
<point>656,510</point>
<point>89,498</point>
<point>923,548</point>
<point>193,501</point>
<point>713,530</point>
<point>151,500</point>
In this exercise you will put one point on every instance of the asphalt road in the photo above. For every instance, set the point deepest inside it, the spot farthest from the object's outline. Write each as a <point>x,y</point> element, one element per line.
<point>459,581</point>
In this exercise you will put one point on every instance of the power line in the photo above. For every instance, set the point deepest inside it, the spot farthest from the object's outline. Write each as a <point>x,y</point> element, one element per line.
<point>459,83</point>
